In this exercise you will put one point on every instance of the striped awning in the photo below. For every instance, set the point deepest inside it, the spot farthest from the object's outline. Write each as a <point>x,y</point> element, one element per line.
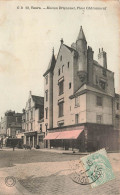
<point>73,134</point>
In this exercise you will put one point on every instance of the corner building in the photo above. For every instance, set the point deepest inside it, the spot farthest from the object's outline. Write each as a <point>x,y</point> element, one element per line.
<point>79,103</point>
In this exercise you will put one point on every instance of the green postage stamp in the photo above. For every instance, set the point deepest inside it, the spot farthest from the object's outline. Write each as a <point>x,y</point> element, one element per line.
<point>97,168</point>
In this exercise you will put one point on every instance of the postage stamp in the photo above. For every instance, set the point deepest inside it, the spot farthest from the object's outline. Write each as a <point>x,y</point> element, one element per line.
<point>97,168</point>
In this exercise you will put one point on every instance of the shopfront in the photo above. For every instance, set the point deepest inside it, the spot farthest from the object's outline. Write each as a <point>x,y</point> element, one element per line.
<point>67,140</point>
<point>30,138</point>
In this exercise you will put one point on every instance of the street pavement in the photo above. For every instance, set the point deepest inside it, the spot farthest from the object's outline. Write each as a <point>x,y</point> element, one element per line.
<point>49,173</point>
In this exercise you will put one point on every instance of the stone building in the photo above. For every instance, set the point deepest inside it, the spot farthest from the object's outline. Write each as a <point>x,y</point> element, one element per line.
<point>32,121</point>
<point>10,124</point>
<point>79,103</point>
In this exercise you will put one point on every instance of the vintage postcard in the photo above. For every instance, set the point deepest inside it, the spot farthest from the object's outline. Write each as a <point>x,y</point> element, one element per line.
<point>60,97</point>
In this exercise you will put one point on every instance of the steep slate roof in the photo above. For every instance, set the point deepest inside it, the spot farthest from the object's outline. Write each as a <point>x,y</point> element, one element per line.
<point>38,100</point>
<point>70,48</point>
<point>81,34</point>
<point>51,65</point>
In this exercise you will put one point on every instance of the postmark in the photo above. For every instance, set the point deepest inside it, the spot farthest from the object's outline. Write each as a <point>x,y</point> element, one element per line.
<point>80,176</point>
<point>10,181</point>
<point>96,170</point>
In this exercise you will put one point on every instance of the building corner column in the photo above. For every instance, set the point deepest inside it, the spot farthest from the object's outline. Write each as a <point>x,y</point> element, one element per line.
<point>24,139</point>
<point>33,141</point>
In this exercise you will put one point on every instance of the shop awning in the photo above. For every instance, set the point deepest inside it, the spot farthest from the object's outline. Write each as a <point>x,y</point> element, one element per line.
<point>69,134</point>
<point>73,134</point>
<point>52,135</point>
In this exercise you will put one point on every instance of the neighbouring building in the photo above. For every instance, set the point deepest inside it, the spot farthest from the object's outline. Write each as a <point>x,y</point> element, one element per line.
<point>10,124</point>
<point>33,121</point>
<point>81,109</point>
<point>117,112</point>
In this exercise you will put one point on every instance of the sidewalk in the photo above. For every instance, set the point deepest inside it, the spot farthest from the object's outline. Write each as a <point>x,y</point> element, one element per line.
<point>62,151</point>
<point>76,152</point>
<point>48,150</point>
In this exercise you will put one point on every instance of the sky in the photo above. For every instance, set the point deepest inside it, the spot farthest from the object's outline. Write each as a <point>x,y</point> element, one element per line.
<point>27,37</point>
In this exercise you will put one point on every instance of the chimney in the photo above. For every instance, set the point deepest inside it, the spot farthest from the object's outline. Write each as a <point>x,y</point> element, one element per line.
<point>61,41</point>
<point>102,58</point>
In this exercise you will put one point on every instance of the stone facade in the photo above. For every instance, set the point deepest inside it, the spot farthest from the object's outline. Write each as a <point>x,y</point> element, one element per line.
<point>10,123</point>
<point>81,91</point>
<point>32,121</point>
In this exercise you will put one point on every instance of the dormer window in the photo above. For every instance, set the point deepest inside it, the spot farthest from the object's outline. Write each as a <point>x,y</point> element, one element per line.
<point>102,84</point>
<point>104,73</point>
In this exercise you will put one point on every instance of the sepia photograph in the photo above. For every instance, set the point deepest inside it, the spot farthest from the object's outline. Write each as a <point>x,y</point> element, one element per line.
<point>60,97</point>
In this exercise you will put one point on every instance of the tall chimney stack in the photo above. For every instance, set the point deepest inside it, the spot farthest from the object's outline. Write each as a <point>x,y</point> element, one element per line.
<point>102,58</point>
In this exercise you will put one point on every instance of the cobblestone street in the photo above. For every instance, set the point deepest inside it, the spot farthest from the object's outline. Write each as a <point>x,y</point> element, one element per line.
<point>47,173</point>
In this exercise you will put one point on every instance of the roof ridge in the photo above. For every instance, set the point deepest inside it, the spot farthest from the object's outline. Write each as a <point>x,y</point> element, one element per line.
<point>70,48</point>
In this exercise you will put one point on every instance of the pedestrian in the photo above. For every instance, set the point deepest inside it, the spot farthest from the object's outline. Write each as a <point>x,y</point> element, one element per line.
<point>13,147</point>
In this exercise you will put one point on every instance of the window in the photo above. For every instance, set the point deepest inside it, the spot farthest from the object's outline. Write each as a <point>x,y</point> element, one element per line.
<point>46,79</point>
<point>27,127</point>
<point>46,125</point>
<point>76,118</point>
<point>60,58</point>
<point>40,138</point>
<point>27,116</point>
<point>99,101</point>
<point>31,126</point>
<point>31,114</point>
<point>46,113</point>
<point>61,87</point>
<point>40,127</point>
<point>58,71</point>
<point>62,68</point>
<point>117,116</point>
<point>41,113</point>
<point>104,73</point>
<point>102,84</point>
<point>76,101</point>
<point>69,85</point>
<point>96,80</point>
<point>60,105</point>
<point>117,105</point>
<point>68,64</point>
<point>60,123</point>
<point>99,119</point>
<point>30,103</point>
<point>46,95</point>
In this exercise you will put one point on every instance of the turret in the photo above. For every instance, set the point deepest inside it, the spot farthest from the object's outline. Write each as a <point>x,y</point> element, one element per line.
<point>81,47</point>
<point>102,58</point>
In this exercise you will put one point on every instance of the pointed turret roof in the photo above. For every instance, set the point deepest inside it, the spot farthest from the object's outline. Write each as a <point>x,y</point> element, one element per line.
<point>81,34</point>
<point>51,64</point>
